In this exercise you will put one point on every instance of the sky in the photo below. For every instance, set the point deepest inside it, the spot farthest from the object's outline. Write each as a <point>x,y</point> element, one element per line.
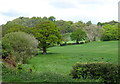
<point>73,10</point>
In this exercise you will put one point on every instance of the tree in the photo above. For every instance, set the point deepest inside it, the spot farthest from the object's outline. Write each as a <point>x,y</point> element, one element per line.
<point>44,18</point>
<point>110,22</point>
<point>51,18</point>
<point>110,32</point>
<point>14,27</point>
<point>47,33</point>
<point>93,32</point>
<point>27,22</point>
<point>99,24</point>
<point>64,26</point>
<point>19,45</point>
<point>77,25</point>
<point>65,37</point>
<point>88,23</point>
<point>78,35</point>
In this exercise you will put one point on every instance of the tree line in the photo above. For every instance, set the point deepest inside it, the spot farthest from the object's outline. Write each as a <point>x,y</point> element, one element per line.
<point>48,32</point>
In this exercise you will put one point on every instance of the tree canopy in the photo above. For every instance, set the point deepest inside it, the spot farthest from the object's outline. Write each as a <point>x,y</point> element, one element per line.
<point>78,35</point>
<point>47,33</point>
<point>110,32</point>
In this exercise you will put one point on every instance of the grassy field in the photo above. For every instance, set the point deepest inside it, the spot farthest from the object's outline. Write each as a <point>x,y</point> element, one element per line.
<point>60,59</point>
<point>57,64</point>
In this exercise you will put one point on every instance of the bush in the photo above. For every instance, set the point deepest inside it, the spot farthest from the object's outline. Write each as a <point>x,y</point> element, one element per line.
<point>106,38</point>
<point>106,71</point>
<point>63,44</point>
<point>19,45</point>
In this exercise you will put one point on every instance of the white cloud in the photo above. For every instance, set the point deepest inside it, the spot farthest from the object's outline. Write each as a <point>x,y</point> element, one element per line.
<point>74,10</point>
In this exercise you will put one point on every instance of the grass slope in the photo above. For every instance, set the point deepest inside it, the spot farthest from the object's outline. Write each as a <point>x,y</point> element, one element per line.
<point>61,58</point>
<point>56,65</point>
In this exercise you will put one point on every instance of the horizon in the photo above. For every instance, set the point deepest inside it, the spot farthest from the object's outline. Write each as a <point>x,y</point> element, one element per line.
<point>63,20</point>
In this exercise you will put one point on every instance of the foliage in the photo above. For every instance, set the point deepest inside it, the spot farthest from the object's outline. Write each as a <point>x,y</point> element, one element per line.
<point>78,25</point>
<point>10,75</point>
<point>24,75</point>
<point>26,24</point>
<point>93,32</point>
<point>110,32</point>
<point>88,23</point>
<point>47,33</point>
<point>31,22</point>
<point>66,37</point>
<point>11,27</point>
<point>19,45</point>
<point>108,72</point>
<point>64,26</point>
<point>51,18</point>
<point>110,22</point>
<point>78,35</point>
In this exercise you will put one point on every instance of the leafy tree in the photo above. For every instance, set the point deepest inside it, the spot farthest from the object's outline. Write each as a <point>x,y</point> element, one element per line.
<point>28,22</point>
<point>44,18</point>
<point>47,33</point>
<point>77,25</point>
<point>19,45</point>
<point>64,26</point>
<point>78,35</point>
<point>99,24</point>
<point>88,23</point>
<point>110,22</point>
<point>66,37</point>
<point>52,18</point>
<point>11,27</point>
<point>110,32</point>
<point>93,32</point>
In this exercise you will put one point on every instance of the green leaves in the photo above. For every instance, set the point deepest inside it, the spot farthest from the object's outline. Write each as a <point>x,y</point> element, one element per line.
<point>19,45</point>
<point>78,35</point>
<point>47,33</point>
<point>108,72</point>
<point>110,32</point>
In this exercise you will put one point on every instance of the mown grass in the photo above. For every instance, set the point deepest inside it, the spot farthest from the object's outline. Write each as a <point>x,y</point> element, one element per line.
<point>60,60</point>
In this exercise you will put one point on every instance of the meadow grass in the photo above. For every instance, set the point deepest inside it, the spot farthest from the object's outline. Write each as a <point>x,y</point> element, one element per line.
<point>57,64</point>
<point>60,59</point>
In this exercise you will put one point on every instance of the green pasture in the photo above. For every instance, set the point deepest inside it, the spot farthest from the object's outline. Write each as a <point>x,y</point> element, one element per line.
<point>60,59</point>
<point>57,64</point>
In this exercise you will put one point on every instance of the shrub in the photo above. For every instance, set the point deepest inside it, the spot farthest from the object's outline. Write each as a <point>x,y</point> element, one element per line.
<point>106,38</point>
<point>63,44</point>
<point>108,72</point>
<point>19,45</point>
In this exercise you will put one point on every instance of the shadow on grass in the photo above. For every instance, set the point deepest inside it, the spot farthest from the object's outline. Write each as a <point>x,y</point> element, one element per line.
<point>49,53</point>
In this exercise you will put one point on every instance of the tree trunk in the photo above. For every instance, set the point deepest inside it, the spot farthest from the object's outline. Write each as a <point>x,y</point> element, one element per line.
<point>77,42</point>
<point>44,50</point>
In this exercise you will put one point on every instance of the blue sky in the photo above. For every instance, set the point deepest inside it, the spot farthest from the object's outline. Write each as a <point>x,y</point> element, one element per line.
<point>74,10</point>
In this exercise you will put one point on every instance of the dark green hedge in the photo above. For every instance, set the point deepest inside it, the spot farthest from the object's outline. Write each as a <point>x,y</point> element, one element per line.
<point>107,72</point>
